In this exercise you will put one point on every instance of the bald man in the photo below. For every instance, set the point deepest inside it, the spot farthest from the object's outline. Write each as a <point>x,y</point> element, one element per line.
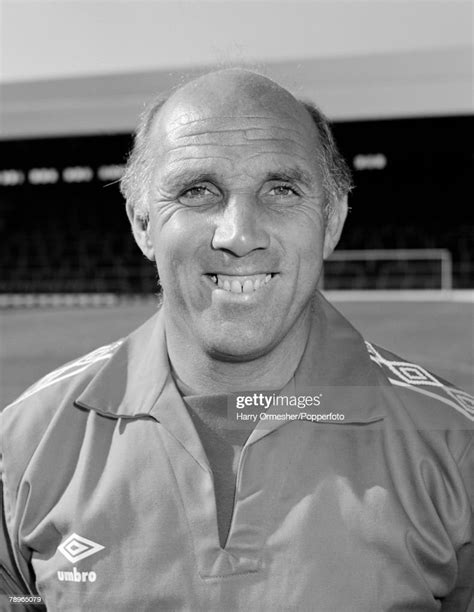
<point>245,449</point>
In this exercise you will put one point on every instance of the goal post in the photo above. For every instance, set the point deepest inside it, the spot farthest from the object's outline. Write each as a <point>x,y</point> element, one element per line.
<point>388,269</point>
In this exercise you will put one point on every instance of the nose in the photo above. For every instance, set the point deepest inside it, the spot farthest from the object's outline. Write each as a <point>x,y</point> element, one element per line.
<point>240,227</point>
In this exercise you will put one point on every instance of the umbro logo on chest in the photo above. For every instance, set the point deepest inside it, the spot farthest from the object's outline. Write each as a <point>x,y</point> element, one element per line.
<point>74,549</point>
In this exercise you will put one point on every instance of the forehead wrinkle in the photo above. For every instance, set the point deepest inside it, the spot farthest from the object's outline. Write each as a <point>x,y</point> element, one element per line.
<point>272,122</point>
<point>247,135</point>
<point>253,132</point>
<point>239,138</point>
<point>199,158</point>
<point>244,130</point>
<point>206,162</point>
<point>292,156</point>
<point>247,131</point>
<point>271,145</point>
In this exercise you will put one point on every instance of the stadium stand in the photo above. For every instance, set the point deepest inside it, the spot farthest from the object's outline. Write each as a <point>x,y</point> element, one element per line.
<point>75,238</point>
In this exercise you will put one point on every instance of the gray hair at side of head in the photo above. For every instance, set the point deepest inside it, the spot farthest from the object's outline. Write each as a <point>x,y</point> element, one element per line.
<point>336,174</point>
<point>135,183</point>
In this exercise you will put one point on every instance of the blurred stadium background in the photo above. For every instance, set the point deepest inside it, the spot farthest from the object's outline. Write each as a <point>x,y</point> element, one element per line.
<point>394,77</point>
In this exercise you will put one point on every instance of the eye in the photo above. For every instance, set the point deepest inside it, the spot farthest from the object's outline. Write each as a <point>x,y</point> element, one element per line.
<point>283,190</point>
<point>278,192</point>
<point>198,195</point>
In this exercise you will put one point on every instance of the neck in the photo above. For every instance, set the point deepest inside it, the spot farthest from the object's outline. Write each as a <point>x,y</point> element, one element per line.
<point>206,374</point>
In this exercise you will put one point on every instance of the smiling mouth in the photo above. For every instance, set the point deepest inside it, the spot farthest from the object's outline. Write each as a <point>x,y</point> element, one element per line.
<point>241,284</point>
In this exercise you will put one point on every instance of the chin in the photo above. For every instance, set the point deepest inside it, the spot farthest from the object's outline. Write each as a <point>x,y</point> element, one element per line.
<point>240,347</point>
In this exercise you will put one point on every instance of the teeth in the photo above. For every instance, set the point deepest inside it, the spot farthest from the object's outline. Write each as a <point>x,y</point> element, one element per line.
<point>248,286</point>
<point>241,284</point>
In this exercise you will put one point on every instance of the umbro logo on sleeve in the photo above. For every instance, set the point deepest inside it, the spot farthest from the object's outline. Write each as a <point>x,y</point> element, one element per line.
<point>418,379</point>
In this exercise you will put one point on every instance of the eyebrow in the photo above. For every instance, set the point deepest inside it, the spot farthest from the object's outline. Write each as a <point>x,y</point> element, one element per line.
<point>186,177</point>
<point>291,174</point>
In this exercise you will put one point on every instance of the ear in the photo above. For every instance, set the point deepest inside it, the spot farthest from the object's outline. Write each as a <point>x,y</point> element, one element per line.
<point>141,231</point>
<point>334,225</point>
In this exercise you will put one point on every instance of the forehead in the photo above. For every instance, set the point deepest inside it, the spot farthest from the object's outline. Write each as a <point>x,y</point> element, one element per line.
<point>188,135</point>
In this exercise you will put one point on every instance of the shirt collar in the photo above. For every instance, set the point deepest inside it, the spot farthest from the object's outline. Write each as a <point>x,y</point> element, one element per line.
<point>335,354</point>
<point>135,380</point>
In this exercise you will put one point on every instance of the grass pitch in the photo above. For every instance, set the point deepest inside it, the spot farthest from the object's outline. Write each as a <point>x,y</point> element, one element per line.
<point>436,335</point>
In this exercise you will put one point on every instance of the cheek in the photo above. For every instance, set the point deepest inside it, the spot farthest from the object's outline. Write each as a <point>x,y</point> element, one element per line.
<point>176,243</point>
<point>171,256</point>
<point>311,263</point>
<point>306,247</point>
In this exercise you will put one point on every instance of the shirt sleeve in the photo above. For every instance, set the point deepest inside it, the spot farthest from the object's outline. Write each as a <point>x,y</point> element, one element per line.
<point>461,599</point>
<point>11,580</point>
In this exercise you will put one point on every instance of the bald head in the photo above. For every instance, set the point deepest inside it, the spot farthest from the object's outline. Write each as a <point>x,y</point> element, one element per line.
<point>234,92</point>
<point>226,94</point>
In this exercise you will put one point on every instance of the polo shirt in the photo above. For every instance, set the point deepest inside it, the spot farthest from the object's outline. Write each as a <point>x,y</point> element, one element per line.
<point>109,500</point>
<point>222,443</point>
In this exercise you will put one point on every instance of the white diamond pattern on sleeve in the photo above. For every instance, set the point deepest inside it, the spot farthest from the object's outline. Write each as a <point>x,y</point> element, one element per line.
<point>416,378</point>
